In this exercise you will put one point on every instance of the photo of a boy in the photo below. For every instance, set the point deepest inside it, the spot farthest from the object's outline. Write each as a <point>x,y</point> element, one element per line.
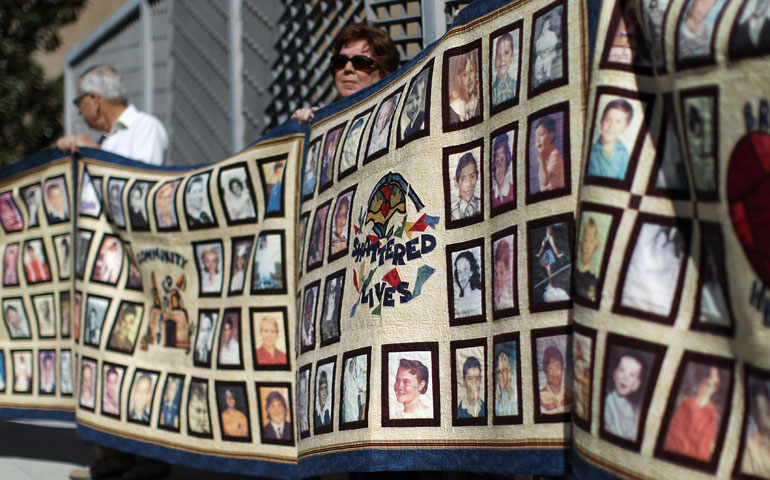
<point>506,67</point>
<point>466,181</point>
<point>609,155</point>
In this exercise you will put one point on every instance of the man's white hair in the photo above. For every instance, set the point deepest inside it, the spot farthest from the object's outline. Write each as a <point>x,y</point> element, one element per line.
<point>105,81</point>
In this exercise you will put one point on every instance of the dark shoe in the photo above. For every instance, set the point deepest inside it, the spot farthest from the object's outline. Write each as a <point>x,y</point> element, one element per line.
<point>102,468</point>
<point>147,469</point>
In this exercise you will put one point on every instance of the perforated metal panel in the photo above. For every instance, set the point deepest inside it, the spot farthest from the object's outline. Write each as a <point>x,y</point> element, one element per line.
<point>219,73</point>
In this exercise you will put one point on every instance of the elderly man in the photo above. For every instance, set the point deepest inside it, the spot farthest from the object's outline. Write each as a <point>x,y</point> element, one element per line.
<point>102,102</point>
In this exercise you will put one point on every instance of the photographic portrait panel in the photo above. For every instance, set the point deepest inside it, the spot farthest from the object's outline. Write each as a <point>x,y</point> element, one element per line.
<point>550,247</point>
<point>326,175</point>
<point>90,199</point>
<point>233,409</point>
<point>237,194</point>
<point>15,318</point>
<point>137,205</point>
<point>505,66</point>
<point>548,63</point>
<point>56,199</point>
<point>164,206</point>
<point>323,410</point>
<point>315,255</point>
<point>461,81</point>
<point>414,123</point>
<point>352,145</point>
<point>87,390</point>
<point>469,382</point>
<point>204,336</point>
<point>22,371</point>
<point>82,246</point>
<point>170,403</point>
<point>654,15</point>
<point>230,336</point>
<point>2,372</point>
<point>197,203</point>
<point>96,310</point>
<point>652,275</point>
<point>695,32</point>
<point>35,260</point>
<point>241,253</point>
<point>463,187</point>
<point>77,310</point>
<point>65,373</point>
<point>10,215</point>
<point>700,108</point>
<point>549,173</point>
<point>466,284</point>
<point>502,168</point>
<point>507,383</point>
<point>410,394</point>
<point>753,451</point>
<point>134,278</point>
<point>713,311</point>
<point>97,181</point>
<point>272,171</point>
<point>269,334</point>
<point>47,372</point>
<point>33,200</point>
<point>339,233</point>
<point>669,175</point>
<point>504,265</point>
<point>64,313</point>
<point>63,245</point>
<point>198,412</point>
<point>209,258</point>
<point>617,134</point>
<point>630,371</point>
<point>125,329</point>
<point>274,405</point>
<point>379,135</point>
<point>303,401</point>
<point>11,265</point>
<point>553,386</point>
<point>332,307</point>
<point>115,188</point>
<point>141,396</point>
<point>112,385</point>
<point>695,422</point>
<point>45,314</point>
<point>109,261</point>
<point>354,401</point>
<point>268,275</point>
<point>301,235</point>
<point>583,348</point>
<point>596,235</point>
<point>309,306</point>
<point>750,34</point>
<point>310,169</point>
<point>625,47</point>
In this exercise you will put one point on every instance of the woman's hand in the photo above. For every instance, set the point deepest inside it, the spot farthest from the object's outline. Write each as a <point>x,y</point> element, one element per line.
<point>304,115</point>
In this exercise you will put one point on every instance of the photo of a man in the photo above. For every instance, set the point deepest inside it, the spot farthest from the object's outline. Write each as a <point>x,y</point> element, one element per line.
<point>330,314</point>
<point>33,197</point>
<point>471,382</point>
<point>169,407</point>
<point>56,200</point>
<point>96,310</point>
<point>140,397</point>
<point>15,318</point>
<point>109,261</point>
<point>197,203</point>
<point>115,188</point>
<point>207,321</point>
<point>47,372</point>
<point>137,205</point>
<point>126,328</point>
<point>324,392</point>
<point>36,262</point>
<point>198,420</point>
<point>466,192</point>
<point>113,377</point>
<point>229,340</point>
<point>276,423</point>
<point>44,311</point>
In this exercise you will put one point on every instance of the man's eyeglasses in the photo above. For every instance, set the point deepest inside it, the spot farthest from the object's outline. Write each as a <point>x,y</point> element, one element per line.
<point>360,62</point>
<point>80,98</point>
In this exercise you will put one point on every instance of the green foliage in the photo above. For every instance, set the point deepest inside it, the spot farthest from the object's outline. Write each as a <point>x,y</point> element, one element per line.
<point>30,106</point>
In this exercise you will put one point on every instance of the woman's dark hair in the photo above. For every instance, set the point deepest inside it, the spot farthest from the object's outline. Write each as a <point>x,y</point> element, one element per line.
<point>475,282</point>
<point>501,141</point>
<point>383,48</point>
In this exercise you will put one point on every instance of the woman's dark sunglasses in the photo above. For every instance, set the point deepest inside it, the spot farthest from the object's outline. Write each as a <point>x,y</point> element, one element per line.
<point>360,62</point>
